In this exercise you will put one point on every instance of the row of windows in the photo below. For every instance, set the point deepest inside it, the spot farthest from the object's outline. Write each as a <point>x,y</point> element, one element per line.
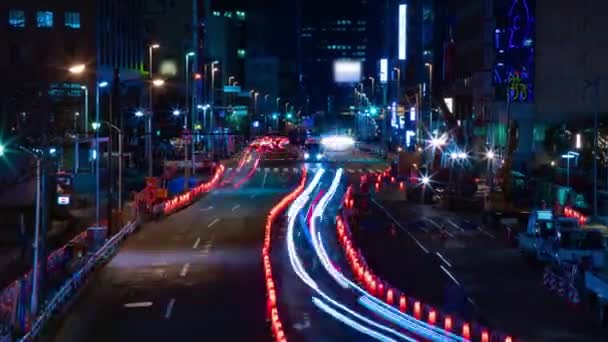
<point>44,19</point>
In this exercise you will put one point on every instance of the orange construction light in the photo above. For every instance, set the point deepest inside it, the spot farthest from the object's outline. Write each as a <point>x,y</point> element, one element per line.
<point>447,323</point>
<point>402,303</point>
<point>417,309</point>
<point>432,316</point>
<point>466,331</point>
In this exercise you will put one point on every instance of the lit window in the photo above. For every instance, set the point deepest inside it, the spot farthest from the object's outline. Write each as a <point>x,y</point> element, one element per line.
<point>16,18</point>
<point>241,53</point>
<point>44,19</point>
<point>72,20</point>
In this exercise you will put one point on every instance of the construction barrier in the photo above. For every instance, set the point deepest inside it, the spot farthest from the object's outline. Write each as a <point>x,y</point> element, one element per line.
<point>183,200</point>
<point>276,325</point>
<point>381,289</point>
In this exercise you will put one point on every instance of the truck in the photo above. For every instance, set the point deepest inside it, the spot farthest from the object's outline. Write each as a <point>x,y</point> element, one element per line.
<point>560,239</point>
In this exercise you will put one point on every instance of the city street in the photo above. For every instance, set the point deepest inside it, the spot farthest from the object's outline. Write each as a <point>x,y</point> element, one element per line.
<point>473,272</point>
<point>193,275</point>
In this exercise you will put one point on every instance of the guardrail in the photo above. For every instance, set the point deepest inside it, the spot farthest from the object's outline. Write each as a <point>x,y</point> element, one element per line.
<point>389,294</point>
<point>10,294</point>
<point>73,283</point>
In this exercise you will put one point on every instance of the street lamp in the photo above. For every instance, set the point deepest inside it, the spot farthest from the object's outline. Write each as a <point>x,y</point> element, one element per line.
<point>287,106</point>
<point>187,79</point>
<point>77,69</point>
<point>278,100</point>
<point>176,112</point>
<point>430,66</point>
<point>255,102</point>
<point>568,156</point>
<point>139,113</point>
<point>156,83</point>
<point>230,80</point>
<point>2,149</point>
<point>398,81</point>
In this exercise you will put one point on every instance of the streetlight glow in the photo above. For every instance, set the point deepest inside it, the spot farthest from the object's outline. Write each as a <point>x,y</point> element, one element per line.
<point>139,113</point>
<point>490,155</point>
<point>155,46</point>
<point>1,150</point>
<point>176,112</point>
<point>158,82</point>
<point>190,54</point>
<point>103,84</point>
<point>77,69</point>
<point>462,155</point>
<point>425,180</point>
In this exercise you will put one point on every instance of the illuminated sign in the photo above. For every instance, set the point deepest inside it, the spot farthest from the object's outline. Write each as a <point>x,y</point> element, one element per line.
<point>232,89</point>
<point>412,113</point>
<point>383,70</point>
<point>63,200</point>
<point>408,138</point>
<point>449,102</point>
<point>347,71</point>
<point>394,122</point>
<point>402,31</point>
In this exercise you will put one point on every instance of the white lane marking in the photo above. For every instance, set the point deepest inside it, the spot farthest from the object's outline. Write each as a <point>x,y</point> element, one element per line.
<point>351,171</point>
<point>449,275</point>
<point>169,310</point>
<point>486,232</point>
<point>378,171</point>
<point>159,263</point>
<point>213,222</point>
<point>400,226</point>
<point>296,170</point>
<point>229,169</point>
<point>443,259</point>
<point>439,227</point>
<point>138,305</point>
<point>236,207</point>
<point>455,225</point>
<point>195,246</point>
<point>207,209</point>
<point>253,196</point>
<point>184,270</point>
<point>285,169</point>
<point>361,171</point>
<point>275,170</point>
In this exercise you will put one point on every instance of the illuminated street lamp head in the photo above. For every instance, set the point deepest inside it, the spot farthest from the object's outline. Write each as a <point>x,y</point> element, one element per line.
<point>462,155</point>
<point>139,113</point>
<point>96,125</point>
<point>428,65</point>
<point>154,46</point>
<point>176,112</point>
<point>1,150</point>
<point>437,142</point>
<point>425,180</point>
<point>103,84</point>
<point>190,54</point>
<point>454,155</point>
<point>77,69</point>
<point>158,82</point>
<point>83,87</point>
<point>490,155</point>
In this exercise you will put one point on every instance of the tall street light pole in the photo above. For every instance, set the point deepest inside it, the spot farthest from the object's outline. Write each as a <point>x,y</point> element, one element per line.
<point>189,110</point>
<point>430,66</point>
<point>278,101</point>
<point>373,94</point>
<point>151,49</point>
<point>398,82</point>
<point>157,83</point>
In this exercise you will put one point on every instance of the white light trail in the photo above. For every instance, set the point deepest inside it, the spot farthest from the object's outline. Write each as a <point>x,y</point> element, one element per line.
<point>321,305</point>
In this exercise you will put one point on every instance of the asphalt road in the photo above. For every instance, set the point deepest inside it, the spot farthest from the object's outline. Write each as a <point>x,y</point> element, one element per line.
<point>489,281</point>
<point>195,275</point>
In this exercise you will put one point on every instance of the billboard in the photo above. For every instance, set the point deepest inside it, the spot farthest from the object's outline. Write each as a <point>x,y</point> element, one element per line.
<point>347,71</point>
<point>402,32</point>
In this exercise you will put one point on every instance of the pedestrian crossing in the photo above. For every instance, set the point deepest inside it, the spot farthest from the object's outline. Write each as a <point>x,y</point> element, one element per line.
<point>297,170</point>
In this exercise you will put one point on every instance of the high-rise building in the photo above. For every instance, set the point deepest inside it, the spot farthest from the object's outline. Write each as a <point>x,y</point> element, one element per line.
<point>43,39</point>
<point>331,31</point>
